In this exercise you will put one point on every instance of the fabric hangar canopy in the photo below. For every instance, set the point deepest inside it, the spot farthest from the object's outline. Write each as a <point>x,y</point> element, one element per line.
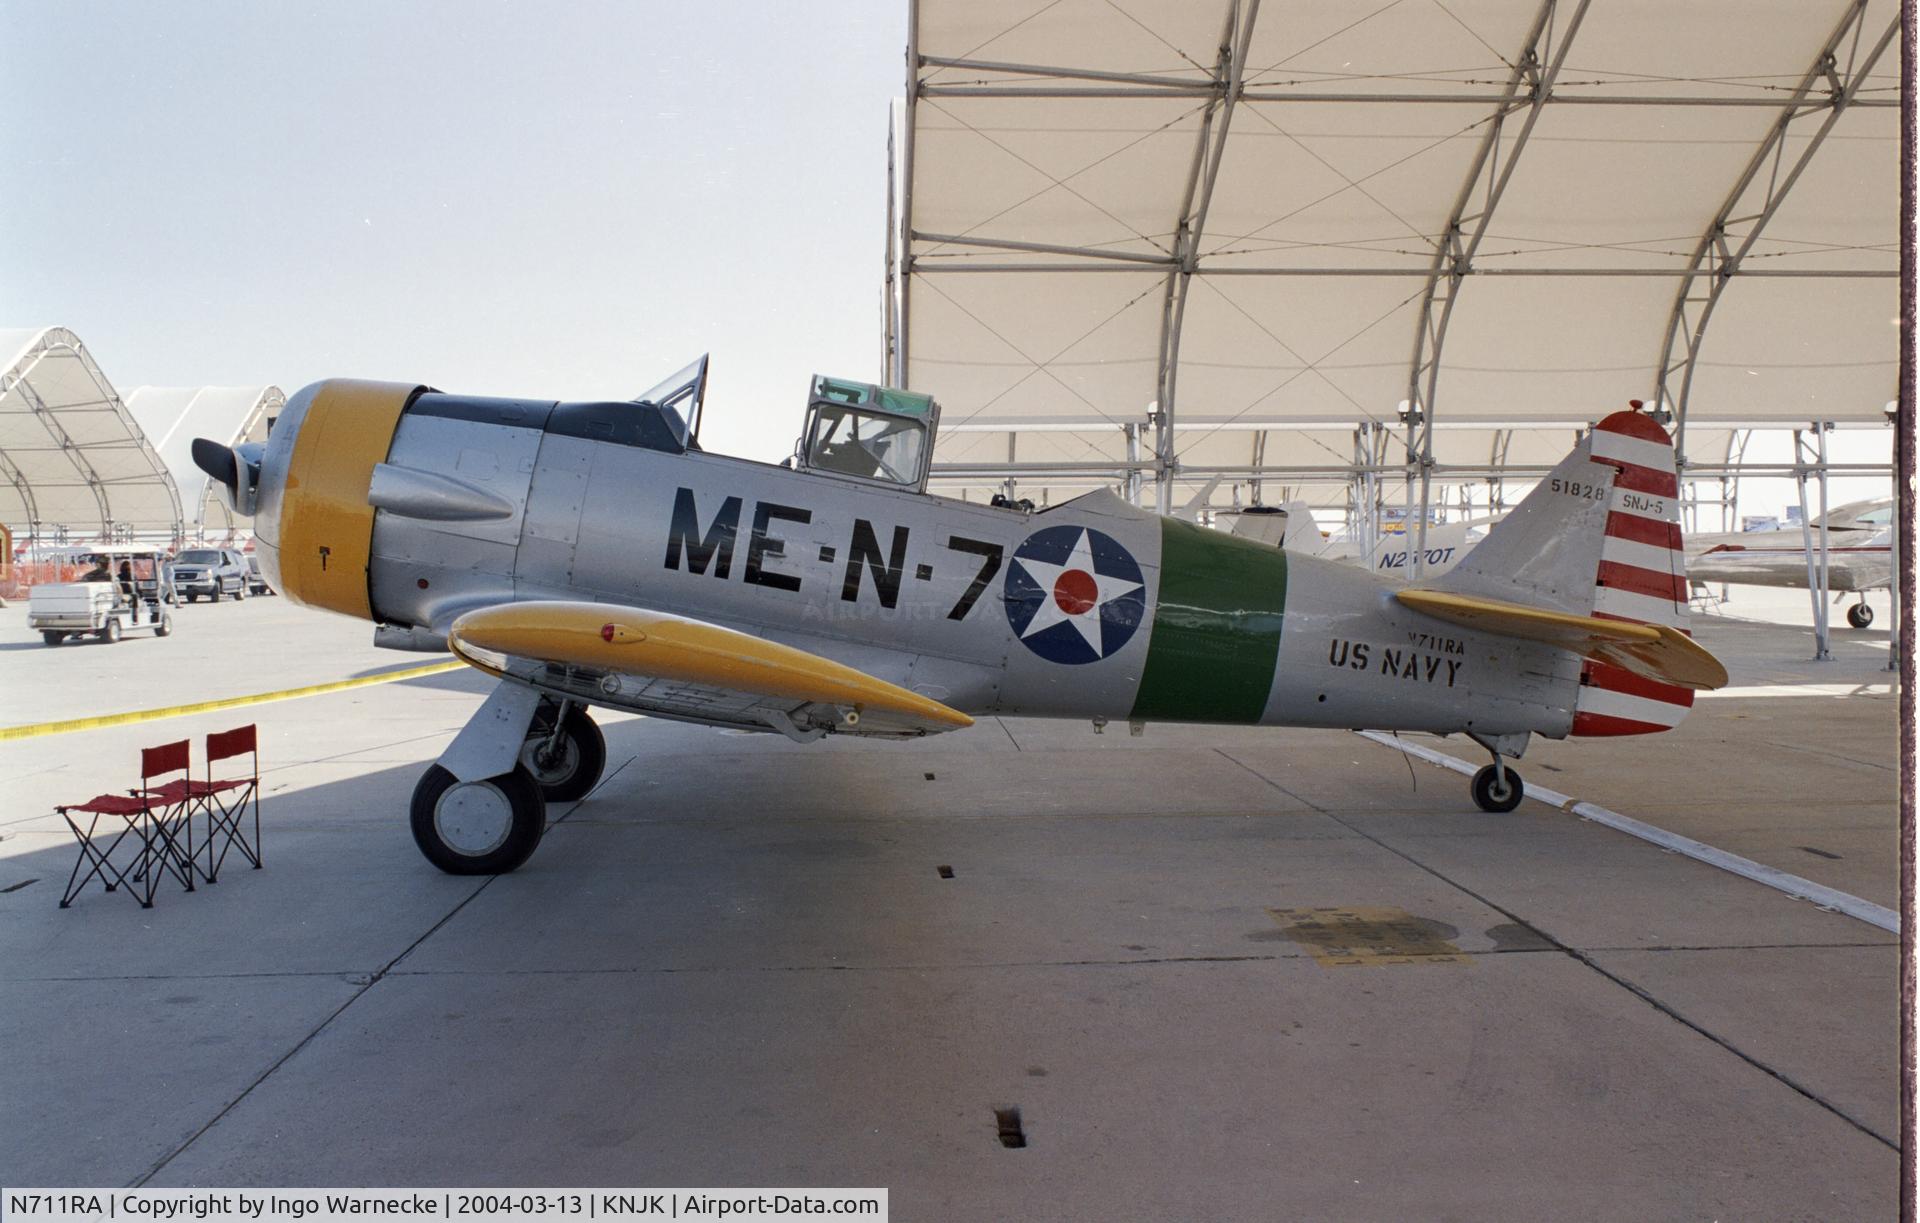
<point>1158,240</point>
<point>74,464</point>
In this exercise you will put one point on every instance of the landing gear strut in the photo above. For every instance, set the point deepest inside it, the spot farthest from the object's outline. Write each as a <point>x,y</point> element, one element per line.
<point>564,751</point>
<point>479,810</point>
<point>1497,787</point>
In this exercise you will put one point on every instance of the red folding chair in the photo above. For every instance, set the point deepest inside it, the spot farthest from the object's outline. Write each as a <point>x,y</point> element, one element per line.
<point>227,799</point>
<point>136,815</point>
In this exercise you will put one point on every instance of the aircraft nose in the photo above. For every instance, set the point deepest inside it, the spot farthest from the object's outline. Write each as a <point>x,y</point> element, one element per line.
<point>307,489</point>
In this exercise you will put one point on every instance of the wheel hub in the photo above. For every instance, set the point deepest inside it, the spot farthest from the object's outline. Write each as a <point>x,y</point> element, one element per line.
<point>551,768</point>
<point>473,818</point>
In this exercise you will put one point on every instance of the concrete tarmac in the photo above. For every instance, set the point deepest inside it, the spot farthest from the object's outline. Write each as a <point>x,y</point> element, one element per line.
<point>1221,973</point>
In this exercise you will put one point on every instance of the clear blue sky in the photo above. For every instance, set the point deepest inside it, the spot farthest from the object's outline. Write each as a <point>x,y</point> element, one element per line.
<point>563,199</point>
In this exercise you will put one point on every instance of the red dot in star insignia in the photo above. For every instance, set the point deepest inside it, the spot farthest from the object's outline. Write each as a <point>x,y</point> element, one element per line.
<point>1075,591</point>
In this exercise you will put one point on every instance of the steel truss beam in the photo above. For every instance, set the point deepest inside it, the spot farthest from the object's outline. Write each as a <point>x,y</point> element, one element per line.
<point>1753,201</point>
<point>76,455</point>
<point>1138,85</point>
<point>1811,461</point>
<point>1042,248</point>
<point>19,481</point>
<point>889,284</point>
<point>1243,424</point>
<point>1118,469</point>
<point>903,337</point>
<point>1531,83</point>
<point>1205,172</point>
<point>1108,263</point>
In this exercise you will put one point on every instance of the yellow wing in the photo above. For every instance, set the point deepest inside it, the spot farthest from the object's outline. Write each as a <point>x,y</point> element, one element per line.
<point>1651,651</point>
<point>688,669</point>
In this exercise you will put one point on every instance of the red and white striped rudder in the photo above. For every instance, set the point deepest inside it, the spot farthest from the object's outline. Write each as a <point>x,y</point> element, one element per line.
<point>1642,576</point>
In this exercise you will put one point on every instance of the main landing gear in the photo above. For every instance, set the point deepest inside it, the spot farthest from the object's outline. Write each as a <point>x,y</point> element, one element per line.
<point>1860,615</point>
<point>564,751</point>
<point>1497,787</point>
<point>484,827</point>
<point>483,808</point>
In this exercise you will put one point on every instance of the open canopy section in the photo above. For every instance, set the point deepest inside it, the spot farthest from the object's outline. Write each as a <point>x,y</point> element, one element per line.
<point>172,416</point>
<point>74,464</point>
<point>1195,219</point>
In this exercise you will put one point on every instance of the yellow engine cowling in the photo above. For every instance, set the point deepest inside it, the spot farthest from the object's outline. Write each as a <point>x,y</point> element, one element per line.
<point>314,529</point>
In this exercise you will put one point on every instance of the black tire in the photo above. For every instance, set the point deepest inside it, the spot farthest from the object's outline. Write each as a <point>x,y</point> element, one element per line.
<point>163,626</point>
<point>526,820</point>
<point>52,636</point>
<point>1483,791</point>
<point>193,598</point>
<point>240,592</point>
<point>111,633</point>
<point>582,757</point>
<point>215,596</point>
<point>1860,615</point>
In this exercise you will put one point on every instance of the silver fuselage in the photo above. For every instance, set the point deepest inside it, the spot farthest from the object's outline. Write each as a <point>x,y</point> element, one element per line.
<point>916,589</point>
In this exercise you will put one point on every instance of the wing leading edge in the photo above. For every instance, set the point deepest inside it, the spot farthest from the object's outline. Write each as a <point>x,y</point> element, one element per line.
<point>629,657</point>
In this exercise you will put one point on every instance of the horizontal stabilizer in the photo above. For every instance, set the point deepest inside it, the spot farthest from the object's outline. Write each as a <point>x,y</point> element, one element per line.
<point>658,646</point>
<point>1650,651</point>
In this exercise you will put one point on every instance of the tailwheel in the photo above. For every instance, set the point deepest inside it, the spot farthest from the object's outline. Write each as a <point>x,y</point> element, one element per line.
<point>1497,788</point>
<point>565,765</point>
<point>1860,615</point>
<point>484,827</point>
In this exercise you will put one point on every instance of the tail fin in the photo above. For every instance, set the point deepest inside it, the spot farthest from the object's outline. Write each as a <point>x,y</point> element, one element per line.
<point>1599,537</point>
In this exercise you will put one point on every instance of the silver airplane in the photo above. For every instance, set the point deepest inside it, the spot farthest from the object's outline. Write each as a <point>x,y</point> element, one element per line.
<point>1859,555</point>
<point>592,554</point>
<point>1292,526</point>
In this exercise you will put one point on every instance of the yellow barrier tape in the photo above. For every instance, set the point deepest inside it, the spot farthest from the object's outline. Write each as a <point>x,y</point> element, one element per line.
<point>232,702</point>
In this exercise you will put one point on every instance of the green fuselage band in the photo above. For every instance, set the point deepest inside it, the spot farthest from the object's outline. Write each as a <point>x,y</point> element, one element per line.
<point>1216,632</point>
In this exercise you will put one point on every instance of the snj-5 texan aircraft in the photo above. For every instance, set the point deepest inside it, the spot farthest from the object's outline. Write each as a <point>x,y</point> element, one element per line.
<point>593,554</point>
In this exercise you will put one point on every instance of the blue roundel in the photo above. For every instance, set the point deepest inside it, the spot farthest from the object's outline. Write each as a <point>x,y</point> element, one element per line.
<point>1074,595</point>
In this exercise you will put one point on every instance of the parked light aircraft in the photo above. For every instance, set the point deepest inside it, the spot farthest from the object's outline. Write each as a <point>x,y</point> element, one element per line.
<point>593,554</point>
<point>1292,526</point>
<point>1859,555</point>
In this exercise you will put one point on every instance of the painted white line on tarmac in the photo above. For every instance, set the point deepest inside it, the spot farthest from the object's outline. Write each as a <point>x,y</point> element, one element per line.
<point>1873,688</point>
<point>1793,885</point>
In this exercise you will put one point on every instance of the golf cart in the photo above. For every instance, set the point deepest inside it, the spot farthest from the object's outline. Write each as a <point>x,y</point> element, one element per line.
<point>102,603</point>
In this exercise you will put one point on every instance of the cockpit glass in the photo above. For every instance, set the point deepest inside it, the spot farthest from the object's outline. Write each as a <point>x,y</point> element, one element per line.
<point>874,447</point>
<point>679,399</point>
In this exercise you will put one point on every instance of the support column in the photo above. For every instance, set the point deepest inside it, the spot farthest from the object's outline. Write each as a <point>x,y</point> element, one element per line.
<point>1816,562</point>
<point>1134,480</point>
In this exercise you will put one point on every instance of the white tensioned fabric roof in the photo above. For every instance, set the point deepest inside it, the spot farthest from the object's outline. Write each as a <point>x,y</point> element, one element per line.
<point>172,416</point>
<point>1315,213</point>
<point>70,453</point>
